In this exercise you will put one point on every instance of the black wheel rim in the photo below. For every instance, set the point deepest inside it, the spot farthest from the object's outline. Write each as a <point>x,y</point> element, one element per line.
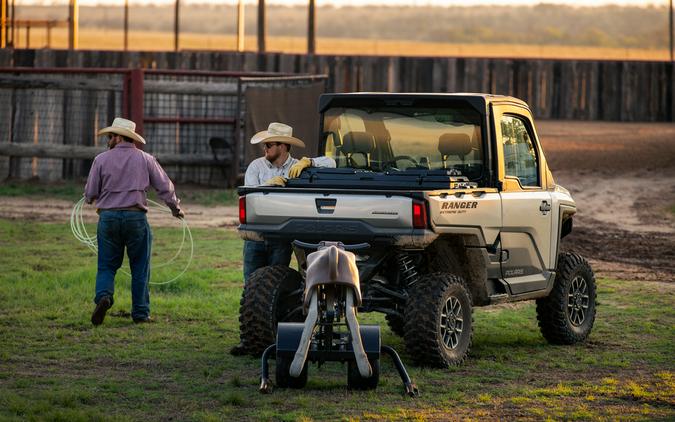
<point>578,301</point>
<point>452,322</point>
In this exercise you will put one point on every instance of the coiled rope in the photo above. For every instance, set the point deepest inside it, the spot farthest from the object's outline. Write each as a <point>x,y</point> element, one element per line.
<point>79,230</point>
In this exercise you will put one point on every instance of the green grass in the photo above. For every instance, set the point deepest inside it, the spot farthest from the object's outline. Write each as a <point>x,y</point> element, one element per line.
<point>73,191</point>
<point>55,366</point>
<point>69,191</point>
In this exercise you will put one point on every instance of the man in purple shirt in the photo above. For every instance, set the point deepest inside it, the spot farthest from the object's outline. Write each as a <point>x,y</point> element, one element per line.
<point>118,182</point>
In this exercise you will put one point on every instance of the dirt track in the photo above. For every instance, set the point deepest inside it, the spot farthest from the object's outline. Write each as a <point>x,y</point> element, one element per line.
<point>622,176</point>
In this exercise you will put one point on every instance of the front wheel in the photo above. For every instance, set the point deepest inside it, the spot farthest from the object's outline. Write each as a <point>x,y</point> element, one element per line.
<point>439,320</point>
<point>567,315</point>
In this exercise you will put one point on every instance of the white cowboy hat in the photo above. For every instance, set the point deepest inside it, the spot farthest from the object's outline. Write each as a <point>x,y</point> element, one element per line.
<point>123,127</point>
<point>277,132</point>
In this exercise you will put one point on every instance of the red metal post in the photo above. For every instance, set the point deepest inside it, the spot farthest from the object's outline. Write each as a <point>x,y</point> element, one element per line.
<point>132,98</point>
<point>136,104</point>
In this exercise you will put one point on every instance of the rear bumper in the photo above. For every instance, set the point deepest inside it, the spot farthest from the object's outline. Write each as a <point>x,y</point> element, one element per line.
<point>346,231</point>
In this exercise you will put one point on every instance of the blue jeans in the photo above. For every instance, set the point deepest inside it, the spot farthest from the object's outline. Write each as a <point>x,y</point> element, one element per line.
<point>262,254</point>
<point>117,230</point>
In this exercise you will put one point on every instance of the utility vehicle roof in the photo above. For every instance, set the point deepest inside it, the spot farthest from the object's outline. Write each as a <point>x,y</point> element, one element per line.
<point>477,100</point>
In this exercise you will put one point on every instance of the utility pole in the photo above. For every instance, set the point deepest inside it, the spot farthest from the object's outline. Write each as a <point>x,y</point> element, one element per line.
<point>261,26</point>
<point>240,26</point>
<point>670,32</point>
<point>176,25</point>
<point>3,23</point>
<point>12,32</point>
<point>126,25</point>
<point>311,28</point>
<point>73,24</point>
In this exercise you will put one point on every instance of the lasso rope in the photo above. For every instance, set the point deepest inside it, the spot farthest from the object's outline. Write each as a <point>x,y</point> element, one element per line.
<point>79,230</point>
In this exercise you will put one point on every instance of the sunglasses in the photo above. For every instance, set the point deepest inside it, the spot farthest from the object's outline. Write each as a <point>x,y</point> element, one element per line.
<point>269,145</point>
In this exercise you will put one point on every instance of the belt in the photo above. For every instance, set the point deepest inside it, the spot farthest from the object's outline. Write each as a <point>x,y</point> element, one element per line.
<point>134,208</point>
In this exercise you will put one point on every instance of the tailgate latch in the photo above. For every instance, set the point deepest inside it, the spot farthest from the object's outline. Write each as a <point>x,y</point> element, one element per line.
<point>325,205</point>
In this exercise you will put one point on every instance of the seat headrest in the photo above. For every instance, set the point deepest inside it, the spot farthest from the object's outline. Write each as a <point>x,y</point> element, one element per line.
<point>454,144</point>
<point>358,142</point>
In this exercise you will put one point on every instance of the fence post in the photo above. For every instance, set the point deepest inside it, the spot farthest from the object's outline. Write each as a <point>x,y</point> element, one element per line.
<point>3,23</point>
<point>73,24</point>
<point>176,25</point>
<point>262,30</point>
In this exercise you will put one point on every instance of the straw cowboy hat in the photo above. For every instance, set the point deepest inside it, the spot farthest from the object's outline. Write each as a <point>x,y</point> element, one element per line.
<point>123,127</point>
<point>277,132</point>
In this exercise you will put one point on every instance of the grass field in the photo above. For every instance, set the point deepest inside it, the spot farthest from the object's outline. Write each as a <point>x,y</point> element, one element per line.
<point>55,366</point>
<point>96,39</point>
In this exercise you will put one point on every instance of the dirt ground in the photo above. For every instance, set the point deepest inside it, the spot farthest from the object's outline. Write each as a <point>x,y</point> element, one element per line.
<point>622,176</point>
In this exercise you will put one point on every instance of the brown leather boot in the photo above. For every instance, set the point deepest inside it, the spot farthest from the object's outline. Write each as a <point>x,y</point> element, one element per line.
<point>101,308</point>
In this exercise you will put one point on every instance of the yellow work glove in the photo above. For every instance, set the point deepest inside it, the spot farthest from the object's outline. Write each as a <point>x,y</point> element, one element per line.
<point>298,167</point>
<point>276,181</point>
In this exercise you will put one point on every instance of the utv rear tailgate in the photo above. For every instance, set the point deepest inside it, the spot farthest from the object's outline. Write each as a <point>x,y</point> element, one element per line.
<point>312,215</point>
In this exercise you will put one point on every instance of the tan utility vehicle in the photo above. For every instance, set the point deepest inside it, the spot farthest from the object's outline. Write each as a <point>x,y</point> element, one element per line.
<point>453,194</point>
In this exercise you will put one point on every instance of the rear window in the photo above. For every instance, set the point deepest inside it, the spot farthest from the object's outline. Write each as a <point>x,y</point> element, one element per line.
<point>395,139</point>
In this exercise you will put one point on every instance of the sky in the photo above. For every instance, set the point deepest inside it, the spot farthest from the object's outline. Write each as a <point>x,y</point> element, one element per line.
<point>339,3</point>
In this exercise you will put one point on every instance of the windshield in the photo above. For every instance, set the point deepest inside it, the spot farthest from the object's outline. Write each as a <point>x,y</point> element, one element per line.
<point>394,139</point>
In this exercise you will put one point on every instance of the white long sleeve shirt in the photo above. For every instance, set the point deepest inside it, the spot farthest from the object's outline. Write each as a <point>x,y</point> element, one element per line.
<point>260,170</point>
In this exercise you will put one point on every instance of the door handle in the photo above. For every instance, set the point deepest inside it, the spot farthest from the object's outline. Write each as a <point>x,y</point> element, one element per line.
<point>545,207</point>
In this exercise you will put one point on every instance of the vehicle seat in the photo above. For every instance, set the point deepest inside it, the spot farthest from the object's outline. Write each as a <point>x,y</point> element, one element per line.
<point>331,265</point>
<point>458,144</point>
<point>361,143</point>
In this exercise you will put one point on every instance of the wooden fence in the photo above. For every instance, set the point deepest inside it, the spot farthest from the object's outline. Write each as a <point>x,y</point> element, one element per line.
<point>555,89</point>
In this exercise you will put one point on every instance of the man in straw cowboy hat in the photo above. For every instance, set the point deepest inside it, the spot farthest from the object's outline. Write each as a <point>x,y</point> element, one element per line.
<point>118,181</point>
<point>273,169</point>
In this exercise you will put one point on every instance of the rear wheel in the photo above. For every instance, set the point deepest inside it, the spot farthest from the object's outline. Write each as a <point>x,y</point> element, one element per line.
<point>567,315</point>
<point>284,378</point>
<point>439,320</point>
<point>271,295</point>
<point>356,382</point>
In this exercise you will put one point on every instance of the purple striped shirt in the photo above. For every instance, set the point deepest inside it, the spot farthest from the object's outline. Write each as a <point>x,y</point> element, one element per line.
<point>120,178</point>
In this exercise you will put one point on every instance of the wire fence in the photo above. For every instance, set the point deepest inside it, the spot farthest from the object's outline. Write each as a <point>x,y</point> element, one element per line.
<point>49,119</point>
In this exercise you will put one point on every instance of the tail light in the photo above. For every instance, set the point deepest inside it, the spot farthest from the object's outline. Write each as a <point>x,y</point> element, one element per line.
<point>419,215</point>
<point>242,209</point>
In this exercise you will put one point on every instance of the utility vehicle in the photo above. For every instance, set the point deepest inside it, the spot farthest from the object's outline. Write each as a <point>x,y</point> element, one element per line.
<point>455,199</point>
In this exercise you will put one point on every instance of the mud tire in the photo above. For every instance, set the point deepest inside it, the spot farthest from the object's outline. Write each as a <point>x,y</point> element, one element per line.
<point>430,338</point>
<point>396,324</point>
<point>271,295</point>
<point>567,315</point>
